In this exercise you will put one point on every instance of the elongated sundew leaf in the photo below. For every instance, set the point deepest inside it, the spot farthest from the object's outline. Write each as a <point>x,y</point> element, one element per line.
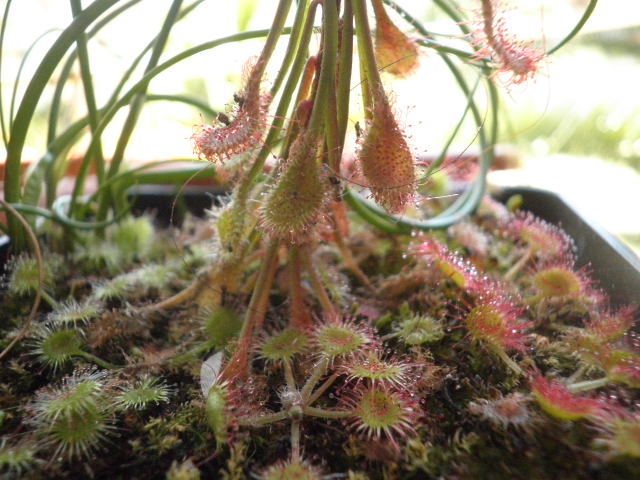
<point>32,95</point>
<point>429,40</point>
<point>470,199</point>
<point>287,95</point>
<point>467,203</point>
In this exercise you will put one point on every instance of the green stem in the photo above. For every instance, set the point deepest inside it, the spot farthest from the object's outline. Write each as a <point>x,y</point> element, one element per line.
<point>262,419</point>
<point>577,374</point>
<point>365,44</point>
<point>50,300</point>
<point>585,16</point>
<point>296,32</point>
<point>98,361</point>
<point>345,64</point>
<point>297,310</point>
<point>588,385</point>
<point>389,336</point>
<point>318,288</point>
<point>329,414</point>
<point>322,388</point>
<point>288,374</point>
<point>317,373</point>
<point>295,439</point>
<point>326,83</point>
<point>508,360</point>
<point>516,267</point>
<point>274,34</point>
<point>453,14</point>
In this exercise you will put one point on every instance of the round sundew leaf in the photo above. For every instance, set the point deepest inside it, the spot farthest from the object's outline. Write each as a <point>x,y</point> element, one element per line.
<point>339,339</point>
<point>72,313</point>
<point>284,345</point>
<point>557,282</point>
<point>222,325</point>
<point>485,323</point>
<point>59,346</point>
<point>419,330</point>
<point>17,458</point>
<point>146,392</point>
<point>75,435</point>
<point>558,411</point>
<point>374,369</point>
<point>624,367</point>
<point>74,399</point>
<point>291,470</point>
<point>380,410</point>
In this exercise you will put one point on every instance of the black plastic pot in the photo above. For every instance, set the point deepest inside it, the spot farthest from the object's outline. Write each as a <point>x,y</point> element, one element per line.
<point>611,263</point>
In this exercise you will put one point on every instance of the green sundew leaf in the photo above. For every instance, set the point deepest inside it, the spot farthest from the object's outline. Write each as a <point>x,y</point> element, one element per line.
<point>284,345</point>
<point>57,347</point>
<point>222,325</point>
<point>246,10</point>
<point>216,411</point>
<point>146,392</point>
<point>420,329</point>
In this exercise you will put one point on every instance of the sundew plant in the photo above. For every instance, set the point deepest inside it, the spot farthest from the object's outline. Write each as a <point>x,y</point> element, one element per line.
<point>335,315</point>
